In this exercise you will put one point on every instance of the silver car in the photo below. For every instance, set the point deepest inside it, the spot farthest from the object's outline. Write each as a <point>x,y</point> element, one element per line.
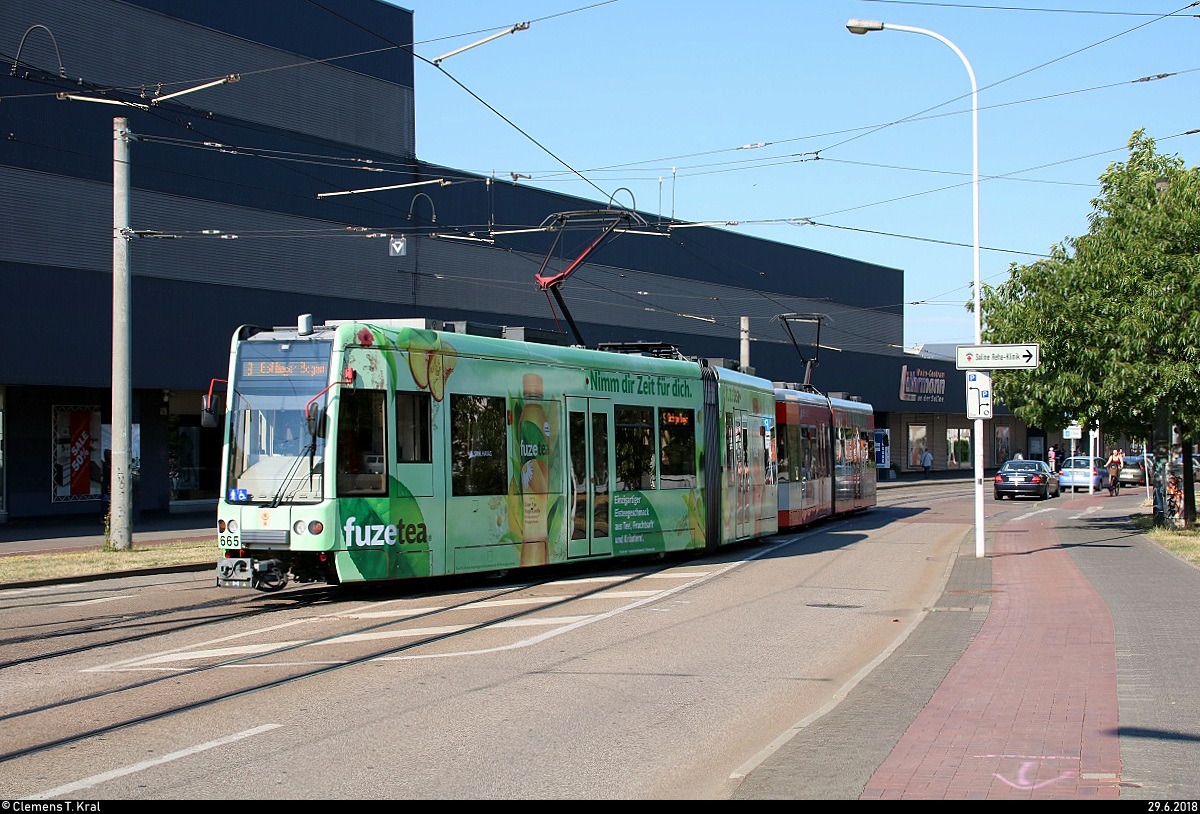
<point>1134,471</point>
<point>1081,471</point>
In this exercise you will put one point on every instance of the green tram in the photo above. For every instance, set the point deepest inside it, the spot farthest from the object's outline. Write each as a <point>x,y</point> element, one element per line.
<point>363,451</point>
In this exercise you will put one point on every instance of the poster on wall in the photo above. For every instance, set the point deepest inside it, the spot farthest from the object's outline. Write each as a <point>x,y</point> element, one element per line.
<point>917,442</point>
<point>1037,448</point>
<point>1003,444</point>
<point>135,445</point>
<point>75,466</point>
<point>883,448</point>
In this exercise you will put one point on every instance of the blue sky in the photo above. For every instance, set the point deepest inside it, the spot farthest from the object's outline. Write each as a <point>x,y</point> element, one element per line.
<point>869,138</point>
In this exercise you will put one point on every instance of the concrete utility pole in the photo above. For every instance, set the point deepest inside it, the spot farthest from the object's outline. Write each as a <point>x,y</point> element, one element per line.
<point>121,482</point>
<point>121,477</point>
<point>745,343</point>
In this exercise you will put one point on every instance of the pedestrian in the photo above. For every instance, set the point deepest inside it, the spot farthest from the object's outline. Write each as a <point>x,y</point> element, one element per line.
<point>927,461</point>
<point>1052,456</point>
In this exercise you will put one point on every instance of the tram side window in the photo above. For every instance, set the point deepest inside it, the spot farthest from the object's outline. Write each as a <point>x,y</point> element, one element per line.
<point>677,448</point>
<point>813,465</point>
<point>794,450</point>
<point>600,474</point>
<point>478,445</point>
<point>729,470</point>
<point>824,451</point>
<point>361,443</point>
<point>635,447</point>
<point>413,435</point>
<point>866,443</point>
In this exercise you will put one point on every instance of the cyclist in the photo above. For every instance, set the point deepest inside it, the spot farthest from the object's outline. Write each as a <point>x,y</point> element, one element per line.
<point>1114,464</point>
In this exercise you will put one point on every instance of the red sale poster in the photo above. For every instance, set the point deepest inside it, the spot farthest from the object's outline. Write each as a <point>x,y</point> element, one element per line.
<point>81,452</point>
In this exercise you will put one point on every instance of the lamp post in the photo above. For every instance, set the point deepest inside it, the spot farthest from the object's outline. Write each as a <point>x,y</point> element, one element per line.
<point>862,27</point>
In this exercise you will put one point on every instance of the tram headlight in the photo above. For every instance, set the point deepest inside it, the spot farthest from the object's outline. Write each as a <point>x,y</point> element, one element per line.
<point>220,526</point>
<point>232,526</point>
<point>316,527</point>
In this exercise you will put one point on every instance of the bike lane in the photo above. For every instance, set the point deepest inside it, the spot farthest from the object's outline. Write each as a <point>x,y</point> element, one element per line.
<point>1030,710</point>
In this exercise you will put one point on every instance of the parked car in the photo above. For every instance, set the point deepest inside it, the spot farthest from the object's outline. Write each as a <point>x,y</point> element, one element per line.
<point>1134,471</point>
<point>1028,478</point>
<point>1080,471</point>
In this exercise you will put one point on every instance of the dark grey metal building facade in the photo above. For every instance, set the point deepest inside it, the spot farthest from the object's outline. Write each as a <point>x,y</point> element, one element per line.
<point>230,230</point>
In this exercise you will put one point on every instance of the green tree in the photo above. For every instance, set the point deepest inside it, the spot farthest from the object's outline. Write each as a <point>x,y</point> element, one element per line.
<point>1116,311</point>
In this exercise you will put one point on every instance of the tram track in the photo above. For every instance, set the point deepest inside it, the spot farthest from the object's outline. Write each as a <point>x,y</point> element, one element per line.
<point>296,598</point>
<point>310,596</point>
<point>54,725</point>
<point>34,722</point>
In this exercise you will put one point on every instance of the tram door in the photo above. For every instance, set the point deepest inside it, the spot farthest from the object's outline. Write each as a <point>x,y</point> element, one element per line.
<point>740,453</point>
<point>589,449</point>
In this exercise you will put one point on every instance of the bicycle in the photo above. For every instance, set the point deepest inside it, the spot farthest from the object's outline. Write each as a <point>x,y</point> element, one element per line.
<point>1114,480</point>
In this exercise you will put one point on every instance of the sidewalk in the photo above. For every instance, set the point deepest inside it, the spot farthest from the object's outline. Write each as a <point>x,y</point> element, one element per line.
<point>72,534</point>
<point>1060,666</point>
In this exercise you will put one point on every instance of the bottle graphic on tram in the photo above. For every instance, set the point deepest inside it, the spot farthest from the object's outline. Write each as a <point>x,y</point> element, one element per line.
<point>533,436</point>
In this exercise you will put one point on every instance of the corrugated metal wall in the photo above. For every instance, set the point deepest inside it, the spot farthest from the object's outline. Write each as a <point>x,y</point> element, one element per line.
<point>115,44</point>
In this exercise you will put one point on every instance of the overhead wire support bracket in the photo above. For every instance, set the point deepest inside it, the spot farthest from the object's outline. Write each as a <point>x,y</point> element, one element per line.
<point>224,80</point>
<point>437,62</point>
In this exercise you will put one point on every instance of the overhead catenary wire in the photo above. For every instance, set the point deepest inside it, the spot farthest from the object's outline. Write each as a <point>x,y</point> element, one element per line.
<point>791,221</point>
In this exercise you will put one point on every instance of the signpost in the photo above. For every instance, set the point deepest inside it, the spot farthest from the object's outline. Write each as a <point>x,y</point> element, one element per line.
<point>979,394</point>
<point>997,357</point>
<point>981,360</point>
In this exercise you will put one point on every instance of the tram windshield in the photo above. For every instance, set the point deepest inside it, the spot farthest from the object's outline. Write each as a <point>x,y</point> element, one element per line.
<point>273,457</point>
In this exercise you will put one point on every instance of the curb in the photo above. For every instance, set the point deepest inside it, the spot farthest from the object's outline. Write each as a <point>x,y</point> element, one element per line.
<point>136,572</point>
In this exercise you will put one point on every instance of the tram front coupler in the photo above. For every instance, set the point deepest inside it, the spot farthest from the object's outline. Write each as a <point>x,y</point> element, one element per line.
<point>246,572</point>
<point>269,575</point>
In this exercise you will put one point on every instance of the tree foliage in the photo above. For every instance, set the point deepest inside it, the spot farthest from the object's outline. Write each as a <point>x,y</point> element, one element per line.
<point>1116,311</point>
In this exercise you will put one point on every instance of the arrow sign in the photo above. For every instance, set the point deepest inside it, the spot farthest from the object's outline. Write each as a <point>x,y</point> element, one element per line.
<point>997,357</point>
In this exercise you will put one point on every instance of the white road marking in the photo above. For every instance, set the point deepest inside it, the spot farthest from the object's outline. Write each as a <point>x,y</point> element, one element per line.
<point>93,601</point>
<point>220,652</point>
<point>97,779</point>
<point>1028,515</point>
<point>561,624</point>
<point>26,591</point>
<point>383,614</point>
<point>139,659</point>
<point>698,577</point>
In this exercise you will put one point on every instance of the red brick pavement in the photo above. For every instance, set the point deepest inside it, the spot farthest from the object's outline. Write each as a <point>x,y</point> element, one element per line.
<point>1030,710</point>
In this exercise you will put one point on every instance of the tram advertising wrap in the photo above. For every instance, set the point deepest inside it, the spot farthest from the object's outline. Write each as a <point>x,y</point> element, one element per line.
<point>361,451</point>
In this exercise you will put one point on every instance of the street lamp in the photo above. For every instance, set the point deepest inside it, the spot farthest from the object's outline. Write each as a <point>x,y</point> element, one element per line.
<point>862,27</point>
